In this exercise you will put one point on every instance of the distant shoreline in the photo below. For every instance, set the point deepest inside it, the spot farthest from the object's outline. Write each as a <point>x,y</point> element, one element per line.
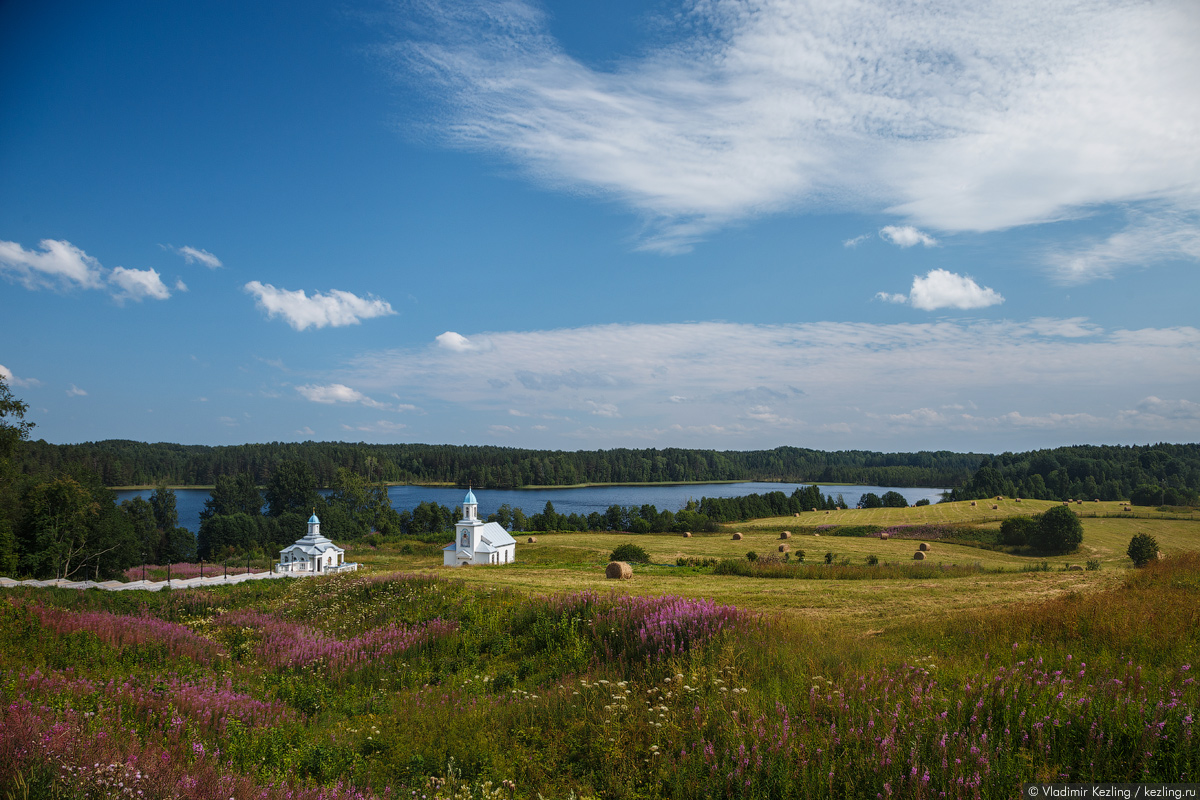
<point>531,487</point>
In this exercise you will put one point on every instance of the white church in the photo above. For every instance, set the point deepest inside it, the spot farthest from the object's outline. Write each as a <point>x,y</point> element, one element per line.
<point>477,542</point>
<point>313,553</point>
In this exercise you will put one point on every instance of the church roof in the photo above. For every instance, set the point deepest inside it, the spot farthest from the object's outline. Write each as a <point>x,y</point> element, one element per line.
<point>313,519</point>
<point>470,498</point>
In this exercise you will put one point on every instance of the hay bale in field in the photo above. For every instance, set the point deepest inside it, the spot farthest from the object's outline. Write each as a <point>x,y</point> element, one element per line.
<point>885,536</point>
<point>618,571</point>
<point>972,502</point>
<point>532,540</point>
<point>1016,500</point>
<point>995,507</point>
<point>785,535</point>
<point>1078,502</point>
<point>826,512</point>
<point>1075,568</point>
<point>1066,502</point>
<point>1158,554</point>
<point>737,537</point>
<point>1095,499</point>
<point>999,497</point>
<point>924,547</point>
<point>814,510</point>
<point>918,556</point>
<point>687,534</point>
<point>797,514</point>
<point>783,548</point>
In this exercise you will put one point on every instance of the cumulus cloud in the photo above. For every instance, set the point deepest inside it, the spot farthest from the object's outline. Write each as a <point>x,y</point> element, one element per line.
<point>336,309</point>
<point>943,289</point>
<point>830,384</point>
<point>138,284</point>
<point>56,265</point>
<point>961,116</point>
<point>194,255</point>
<point>13,380</point>
<point>61,265</point>
<point>906,236</point>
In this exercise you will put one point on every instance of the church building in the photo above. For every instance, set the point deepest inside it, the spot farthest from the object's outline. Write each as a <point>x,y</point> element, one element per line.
<point>477,542</point>
<point>313,553</point>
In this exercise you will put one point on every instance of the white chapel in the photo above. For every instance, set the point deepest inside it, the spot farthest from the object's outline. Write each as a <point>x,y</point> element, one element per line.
<point>313,553</point>
<point>477,542</point>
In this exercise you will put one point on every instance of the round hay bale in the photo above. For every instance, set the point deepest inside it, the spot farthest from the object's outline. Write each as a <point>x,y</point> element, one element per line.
<point>1158,554</point>
<point>737,537</point>
<point>973,502</point>
<point>1066,502</point>
<point>918,556</point>
<point>1075,568</point>
<point>1078,502</point>
<point>885,536</point>
<point>1017,500</point>
<point>618,571</point>
<point>532,540</point>
<point>924,547</point>
<point>995,507</point>
<point>999,497</point>
<point>797,513</point>
<point>826,512</point>
<point>785,535</point>
<point>783,548</point>
<point>814,510</point>
<point>687,534</point>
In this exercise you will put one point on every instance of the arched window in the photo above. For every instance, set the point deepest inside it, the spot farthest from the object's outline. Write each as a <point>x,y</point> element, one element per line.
<point>465,539</point>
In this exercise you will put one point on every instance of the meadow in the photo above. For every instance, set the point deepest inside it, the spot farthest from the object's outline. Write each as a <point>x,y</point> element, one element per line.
<point>410,680</point>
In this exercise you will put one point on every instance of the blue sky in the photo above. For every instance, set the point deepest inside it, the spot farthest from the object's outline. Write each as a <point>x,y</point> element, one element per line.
<point>578,225</point>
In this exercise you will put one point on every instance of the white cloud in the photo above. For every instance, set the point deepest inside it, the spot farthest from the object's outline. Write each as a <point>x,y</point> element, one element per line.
<point>942,289</point>
<point>458,343</point>
<point>13,380</point>
<point>824,384</point>
<point>501,429</point>
<point>75,391</point>
<point>306,431</point>
<point>337,308</point>
<point>195,255</point>
<point>180,286</point>
<point>59,265</point>
<point>138,284</point>
<point>339,393</point>
<point>380,426</point>
<point>1145,241</point>
<point>856,241</point>
<point>957,116</point>
<point>891,298</point>
<point>906,236</point>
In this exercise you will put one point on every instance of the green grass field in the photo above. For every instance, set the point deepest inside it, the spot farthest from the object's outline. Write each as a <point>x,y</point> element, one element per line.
<point>542,679</point>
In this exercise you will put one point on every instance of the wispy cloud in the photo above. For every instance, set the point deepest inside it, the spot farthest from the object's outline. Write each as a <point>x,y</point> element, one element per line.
<point>194,255</point>
<point>75,391</point>
<point>1145,241</point>
<point>339,393</point>
<point>943,289</point>
<point>336,309</point>
<point>832,384</point>
<point>955,117</point>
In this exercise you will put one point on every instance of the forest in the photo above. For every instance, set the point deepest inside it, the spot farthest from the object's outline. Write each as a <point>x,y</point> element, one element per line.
<point>129,463</point>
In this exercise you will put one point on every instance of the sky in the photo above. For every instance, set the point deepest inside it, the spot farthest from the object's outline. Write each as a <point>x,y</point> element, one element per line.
<point>727,224</point>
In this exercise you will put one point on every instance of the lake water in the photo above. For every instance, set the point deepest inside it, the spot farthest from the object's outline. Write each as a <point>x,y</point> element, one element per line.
<point>584,501</point>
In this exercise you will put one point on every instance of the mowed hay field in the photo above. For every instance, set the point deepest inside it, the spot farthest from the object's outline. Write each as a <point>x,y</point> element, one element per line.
<point>575,561</point>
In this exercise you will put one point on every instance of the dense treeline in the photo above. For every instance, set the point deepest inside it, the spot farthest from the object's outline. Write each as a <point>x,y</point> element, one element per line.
<point>1160,474</point>
<point>121,462</point>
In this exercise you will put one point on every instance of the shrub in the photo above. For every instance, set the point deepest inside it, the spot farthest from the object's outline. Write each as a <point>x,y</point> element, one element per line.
<point>1057,531</point>
<point>630,553</point>
<point>1143,548</point>
<point>924,501</point>
<point>829,558</point>
<point>1093,565</point>
<point>872,560</point>
<point>893,499</point>
<point>752,556</point>
<point>1016,531</point>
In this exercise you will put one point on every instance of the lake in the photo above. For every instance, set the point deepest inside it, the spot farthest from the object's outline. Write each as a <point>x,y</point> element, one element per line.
<point>584,501</point>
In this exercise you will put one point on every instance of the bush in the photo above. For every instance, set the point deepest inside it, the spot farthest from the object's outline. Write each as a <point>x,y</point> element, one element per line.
<point>1093,565</point>
<point>630,553</point>
<point>1016,531</point>
<point>1057,531</point>
<point>872,560</point>
<point>893,499</point>
<point>752,556</point>
<point>1143,548</point>
<point>924,501</point>
<point>829,558</point>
